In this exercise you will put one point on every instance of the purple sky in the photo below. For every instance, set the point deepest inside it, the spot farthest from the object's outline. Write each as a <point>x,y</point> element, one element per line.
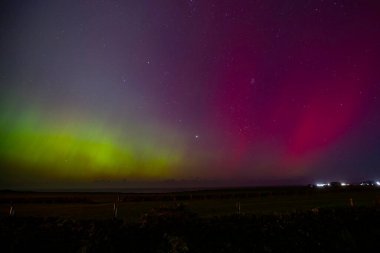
<point>221,92</point>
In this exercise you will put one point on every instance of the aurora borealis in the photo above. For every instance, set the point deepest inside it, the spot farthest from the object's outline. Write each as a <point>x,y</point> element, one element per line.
<point>207,92</point>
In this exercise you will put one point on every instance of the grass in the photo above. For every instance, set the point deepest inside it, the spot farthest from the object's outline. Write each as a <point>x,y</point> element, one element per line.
<point>203,203</point>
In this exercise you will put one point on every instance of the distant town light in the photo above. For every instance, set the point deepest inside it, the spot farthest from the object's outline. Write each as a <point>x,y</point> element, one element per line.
<point>320,185</point>
<point>344,184</point>
<point>368,183</point>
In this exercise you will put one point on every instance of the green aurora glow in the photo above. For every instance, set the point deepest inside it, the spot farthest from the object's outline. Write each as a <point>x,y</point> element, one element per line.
<point>82,151</point>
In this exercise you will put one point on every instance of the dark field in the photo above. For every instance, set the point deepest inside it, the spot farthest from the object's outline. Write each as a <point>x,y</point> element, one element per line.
<point>292,219</point>
<point>204,203</point>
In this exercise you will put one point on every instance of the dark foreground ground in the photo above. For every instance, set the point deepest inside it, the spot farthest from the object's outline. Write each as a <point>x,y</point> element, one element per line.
<point>175,227</point>
<point>176,230</point>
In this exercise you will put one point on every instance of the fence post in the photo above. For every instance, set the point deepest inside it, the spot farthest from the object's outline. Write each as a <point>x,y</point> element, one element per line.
<point>115,206</point>
<point>12,210</point>
<point>238,207</point>
<point>351,202</point>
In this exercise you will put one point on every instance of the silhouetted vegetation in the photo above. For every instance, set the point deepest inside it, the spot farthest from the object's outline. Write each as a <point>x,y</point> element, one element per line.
<point>176,229</point>
<point>270,220</point>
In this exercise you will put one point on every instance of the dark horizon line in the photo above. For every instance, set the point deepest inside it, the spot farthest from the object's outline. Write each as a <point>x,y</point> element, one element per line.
<point>151,189</point>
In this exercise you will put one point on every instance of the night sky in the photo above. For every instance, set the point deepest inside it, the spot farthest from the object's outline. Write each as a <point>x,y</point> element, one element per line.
<point>181,92</point>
